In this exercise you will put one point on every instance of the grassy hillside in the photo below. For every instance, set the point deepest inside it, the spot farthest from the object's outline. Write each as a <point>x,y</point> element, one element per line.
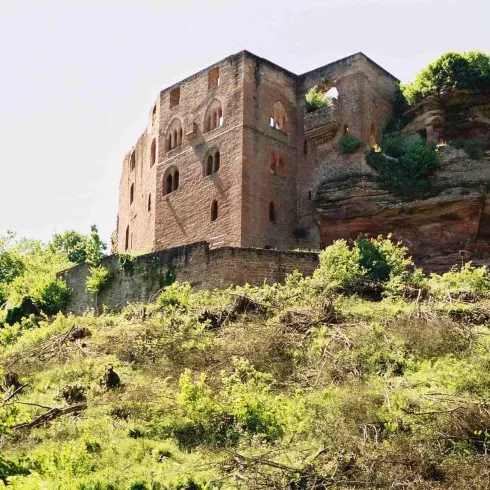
<point>365,376</point>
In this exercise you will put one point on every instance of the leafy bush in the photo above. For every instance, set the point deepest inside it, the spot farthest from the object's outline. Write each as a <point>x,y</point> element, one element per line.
<point>316,99</point>
<point>366,264</point>
<point>97,279</point>
<point>469,70</point>
<point>349,144</point>
<point>175,295</point>
<point>404,165</point>
<point>468,282</point>
<point>50,295</point>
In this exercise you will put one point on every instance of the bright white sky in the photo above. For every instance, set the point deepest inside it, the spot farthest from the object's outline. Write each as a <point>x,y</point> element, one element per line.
<point>78,78</point>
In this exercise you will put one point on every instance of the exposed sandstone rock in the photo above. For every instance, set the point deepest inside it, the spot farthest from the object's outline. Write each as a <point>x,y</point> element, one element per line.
<point>454,216</point>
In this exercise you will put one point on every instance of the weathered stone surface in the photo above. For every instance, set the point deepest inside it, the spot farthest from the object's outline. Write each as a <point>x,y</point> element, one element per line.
<point>454,216</point>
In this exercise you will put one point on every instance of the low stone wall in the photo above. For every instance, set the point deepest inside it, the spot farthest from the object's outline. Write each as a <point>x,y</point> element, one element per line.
<point>141,279</point>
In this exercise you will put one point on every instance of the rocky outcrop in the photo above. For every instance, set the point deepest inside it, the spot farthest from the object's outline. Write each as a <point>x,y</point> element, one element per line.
<point>455,215</point>
<point>458,114</point>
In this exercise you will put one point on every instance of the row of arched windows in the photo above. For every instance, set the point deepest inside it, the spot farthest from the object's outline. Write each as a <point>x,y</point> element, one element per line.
<point>212,163</point>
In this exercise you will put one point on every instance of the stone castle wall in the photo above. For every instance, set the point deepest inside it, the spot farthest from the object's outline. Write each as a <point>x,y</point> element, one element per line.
<point>245,188</point>
<point>203,267</point>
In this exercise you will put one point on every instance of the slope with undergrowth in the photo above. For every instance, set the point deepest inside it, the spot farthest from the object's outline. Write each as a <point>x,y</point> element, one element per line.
<point>367,375</point>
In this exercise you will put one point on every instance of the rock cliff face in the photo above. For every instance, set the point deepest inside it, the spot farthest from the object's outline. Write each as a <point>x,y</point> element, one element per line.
<point>454,216</point>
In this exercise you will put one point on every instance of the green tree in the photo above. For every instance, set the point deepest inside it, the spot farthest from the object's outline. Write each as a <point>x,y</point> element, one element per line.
<point>469,70</point>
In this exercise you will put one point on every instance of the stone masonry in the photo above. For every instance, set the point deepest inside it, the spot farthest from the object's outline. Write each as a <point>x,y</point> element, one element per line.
<point>230,156</point>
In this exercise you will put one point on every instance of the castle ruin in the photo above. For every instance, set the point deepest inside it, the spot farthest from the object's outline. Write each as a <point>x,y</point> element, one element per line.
<point>231,157</point>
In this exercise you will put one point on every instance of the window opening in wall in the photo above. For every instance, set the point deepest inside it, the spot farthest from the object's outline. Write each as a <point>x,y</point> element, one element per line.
<point>149,202</point>
<point>346,129</point>
<point>217,161</point>
<point>213,78</point>
<point>278,117</point>
<point>272,212</point>
<point>212,163</point>
<point>176,181</point>
<point>171,181</point>
<point>309,195</point>
<point>214,211</point>
<point>169,184</point>
<point>175,97</point>
<point>332,93</point>
<point>153,153</point>
<point>126,240</point>
<point>277,165</point>
<point>174,135</point>
<point>154,116</point>
<point>209,165</point>
<point>133,160</point>
<point>214,116</point>
<point>131,194</point>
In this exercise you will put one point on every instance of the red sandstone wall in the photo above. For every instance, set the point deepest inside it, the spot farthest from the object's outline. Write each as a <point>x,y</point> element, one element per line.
<point>264,84</point>
<point>195,263</point>
<point>365,101</point>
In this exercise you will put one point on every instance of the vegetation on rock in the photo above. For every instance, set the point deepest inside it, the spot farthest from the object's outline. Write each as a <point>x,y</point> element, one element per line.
<point>403,163</point>
<point>349,144</point>
<point>450,71</point>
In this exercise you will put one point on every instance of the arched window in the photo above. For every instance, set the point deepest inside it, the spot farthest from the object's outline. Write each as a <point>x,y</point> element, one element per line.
<point>214,210</point>
<point>217,161</point>
<point>170,181</point>
<point>212,163</point>
<point>332,93</point>
<point>273,164</point>
<point>213,78</point>
<point>214,116</point>
<point>133,160</point>
<point>126,240</point>
<point>149,202</point>
<point>277,165</point>
<point>209,165</point>
<point>272,212</point>
<point>278,117</point>
<point>346,129</point>
<point>131,194</point>
<point>174,135</point>
<point>175,97</point>
<point>153,153</point>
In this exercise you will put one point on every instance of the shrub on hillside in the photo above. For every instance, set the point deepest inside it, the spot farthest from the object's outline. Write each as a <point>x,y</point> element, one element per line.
<point>469,282</point>
<point>97,279</point>
<point>50,295</point>
<point>368,263</point>
<point>404,164</point>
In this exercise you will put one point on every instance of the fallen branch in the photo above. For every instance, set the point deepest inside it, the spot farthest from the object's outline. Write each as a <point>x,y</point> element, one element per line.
<point>51,414</point>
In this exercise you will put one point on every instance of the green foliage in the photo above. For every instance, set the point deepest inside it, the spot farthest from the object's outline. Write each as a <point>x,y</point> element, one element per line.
<point>95,248</point>
<point>316,99</point>
<point>469,70</point>
<point>404,164</point>
<point>366,264</point>
<point>97,279</point>
<point>175,294</point>
<point>349,144</point>
<point>50,295</point>
<point>468,282</point>
<point>400,117</point>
